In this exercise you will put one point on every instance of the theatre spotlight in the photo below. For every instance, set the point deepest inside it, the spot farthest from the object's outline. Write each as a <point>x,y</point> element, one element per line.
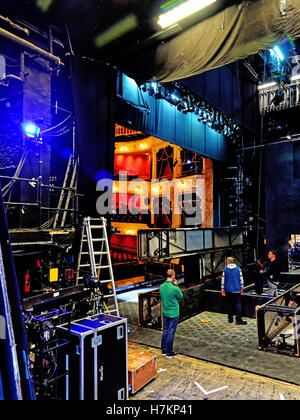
<point>31,130</point>
<point>183,106</point>
<point>278,98</point>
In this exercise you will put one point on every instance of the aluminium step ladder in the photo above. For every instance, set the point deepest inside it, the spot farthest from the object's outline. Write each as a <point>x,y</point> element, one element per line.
<point>94,261</point>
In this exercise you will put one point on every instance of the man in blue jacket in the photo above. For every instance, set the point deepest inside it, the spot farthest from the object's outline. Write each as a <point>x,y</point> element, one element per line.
<point>232,288</point>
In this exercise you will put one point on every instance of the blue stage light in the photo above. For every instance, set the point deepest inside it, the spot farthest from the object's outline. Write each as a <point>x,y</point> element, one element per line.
<point>31,130</point>
<point>275,51</point>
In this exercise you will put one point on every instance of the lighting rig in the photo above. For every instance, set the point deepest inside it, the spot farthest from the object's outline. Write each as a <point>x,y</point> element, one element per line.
<point>187,102</point>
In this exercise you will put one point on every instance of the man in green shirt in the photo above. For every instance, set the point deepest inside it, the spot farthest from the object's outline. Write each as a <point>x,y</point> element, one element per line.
<point>170,295</point>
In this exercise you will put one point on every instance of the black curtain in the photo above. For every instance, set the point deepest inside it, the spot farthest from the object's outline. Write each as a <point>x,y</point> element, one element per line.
<point>93,86</point>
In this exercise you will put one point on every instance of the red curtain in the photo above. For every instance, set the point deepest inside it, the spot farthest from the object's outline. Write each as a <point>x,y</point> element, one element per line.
<point>135,165</point>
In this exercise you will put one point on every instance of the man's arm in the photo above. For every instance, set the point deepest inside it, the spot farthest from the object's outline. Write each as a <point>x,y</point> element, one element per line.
<point>241,280</point>
<point>223,283</point>
<point>179,294</point>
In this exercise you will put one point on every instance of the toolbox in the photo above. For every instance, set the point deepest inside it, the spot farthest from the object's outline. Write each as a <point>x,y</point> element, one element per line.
<point>142,368</point>
<point>96,359</point>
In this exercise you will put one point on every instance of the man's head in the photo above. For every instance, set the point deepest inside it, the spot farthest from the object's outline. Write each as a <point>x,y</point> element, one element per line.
<point>170,274</point>
<point>272,255</point>
<point>229,260</point>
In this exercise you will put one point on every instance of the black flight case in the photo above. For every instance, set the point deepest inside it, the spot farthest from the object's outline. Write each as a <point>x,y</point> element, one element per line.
<point>96,359</point>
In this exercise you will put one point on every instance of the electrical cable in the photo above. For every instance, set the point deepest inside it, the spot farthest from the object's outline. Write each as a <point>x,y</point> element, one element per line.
<point>7,188</point>
<point>56,126</point>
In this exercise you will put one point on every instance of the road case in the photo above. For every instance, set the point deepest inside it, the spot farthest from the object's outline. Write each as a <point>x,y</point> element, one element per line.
<point>96,359</point>
<point>142,368</point>
<point>278,324</point>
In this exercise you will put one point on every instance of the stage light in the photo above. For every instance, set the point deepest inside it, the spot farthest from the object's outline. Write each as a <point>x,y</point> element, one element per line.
<point>143,146</point>
<point>124,149</point>
<point>31,130</point>
<point>278,98</point>
<point>278,52</point>
<point>182,11</point>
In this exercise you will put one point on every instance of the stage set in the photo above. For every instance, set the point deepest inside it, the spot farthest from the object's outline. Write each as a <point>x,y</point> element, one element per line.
<point>130,146</point>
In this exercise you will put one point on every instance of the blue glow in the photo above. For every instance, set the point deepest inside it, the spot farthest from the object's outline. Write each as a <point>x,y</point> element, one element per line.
<point>102,174</point>
<point>31,130</point>
<point>66,153</point>
<point>278,52</point>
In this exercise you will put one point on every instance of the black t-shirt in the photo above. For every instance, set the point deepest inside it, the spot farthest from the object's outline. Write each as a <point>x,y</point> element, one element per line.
<point>274,270</point>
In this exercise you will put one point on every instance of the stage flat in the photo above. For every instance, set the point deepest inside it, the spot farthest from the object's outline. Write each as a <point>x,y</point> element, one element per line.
<point>219,342</point>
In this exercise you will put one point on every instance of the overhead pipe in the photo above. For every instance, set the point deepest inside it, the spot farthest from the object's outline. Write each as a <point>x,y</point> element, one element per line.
<point>14,25</point>
<point>31,47</point>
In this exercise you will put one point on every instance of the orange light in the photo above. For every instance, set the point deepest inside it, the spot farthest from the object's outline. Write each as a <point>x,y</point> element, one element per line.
<point>123,148</point>
<point>130,232</point>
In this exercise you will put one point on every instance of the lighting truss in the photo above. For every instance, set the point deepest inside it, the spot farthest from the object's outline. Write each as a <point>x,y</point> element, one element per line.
<point>186,102</point>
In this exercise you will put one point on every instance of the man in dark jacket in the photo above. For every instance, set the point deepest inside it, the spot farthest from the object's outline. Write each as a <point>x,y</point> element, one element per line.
<point>273,273</point>
<point>232,288</point>
<point>170,295</point>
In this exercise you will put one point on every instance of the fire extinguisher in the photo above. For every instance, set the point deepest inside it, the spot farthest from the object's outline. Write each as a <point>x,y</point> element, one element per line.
<point>27,282</point>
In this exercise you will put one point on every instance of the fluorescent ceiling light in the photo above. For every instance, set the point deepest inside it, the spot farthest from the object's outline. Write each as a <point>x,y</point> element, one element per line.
<point>182,11</point>
<point>267,85</point>
<point>296,77</point>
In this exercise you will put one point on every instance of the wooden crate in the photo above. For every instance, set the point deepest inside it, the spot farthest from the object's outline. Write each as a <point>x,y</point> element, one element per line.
<point>142,368</point>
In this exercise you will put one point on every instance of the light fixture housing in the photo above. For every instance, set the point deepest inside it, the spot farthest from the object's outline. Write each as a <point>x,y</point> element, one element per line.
<point>31,130</point>
<point>182,11</point>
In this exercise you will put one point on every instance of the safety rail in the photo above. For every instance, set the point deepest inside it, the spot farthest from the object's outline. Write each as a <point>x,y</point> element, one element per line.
<point>275,97</point>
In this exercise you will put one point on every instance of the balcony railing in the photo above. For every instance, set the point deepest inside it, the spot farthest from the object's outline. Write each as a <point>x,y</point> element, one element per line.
<point>273,97</point>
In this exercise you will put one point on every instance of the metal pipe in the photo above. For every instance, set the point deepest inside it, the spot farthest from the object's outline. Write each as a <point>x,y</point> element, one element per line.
<point>20,204</point>
<point>42,185</point>
<point>29,46</point>
<point>53,209</point>
<point>14,25</point>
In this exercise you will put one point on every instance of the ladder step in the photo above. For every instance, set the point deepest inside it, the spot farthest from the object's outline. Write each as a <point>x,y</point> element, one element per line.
<point>95,240</point>
<point>95,253</point>
<point>113,310</point>
<point>105,281</point>
<point>108,296</point>
<point>96,266</point>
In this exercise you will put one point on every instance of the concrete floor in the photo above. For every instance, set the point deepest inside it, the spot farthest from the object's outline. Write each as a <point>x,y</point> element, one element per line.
<point>187,378</point>
<point>214,356</point>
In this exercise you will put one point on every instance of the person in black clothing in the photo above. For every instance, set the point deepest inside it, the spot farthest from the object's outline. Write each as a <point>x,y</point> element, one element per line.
<point>273,273</point>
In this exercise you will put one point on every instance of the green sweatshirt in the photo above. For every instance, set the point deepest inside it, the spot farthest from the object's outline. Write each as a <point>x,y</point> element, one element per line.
<point>170,295</point>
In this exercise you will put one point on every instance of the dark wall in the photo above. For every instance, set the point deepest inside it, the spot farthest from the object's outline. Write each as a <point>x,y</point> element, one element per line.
<point>282,196</point>
<point>232,90</point>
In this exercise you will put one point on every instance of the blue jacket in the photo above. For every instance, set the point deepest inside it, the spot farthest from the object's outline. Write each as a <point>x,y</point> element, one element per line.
<point>232,279</point>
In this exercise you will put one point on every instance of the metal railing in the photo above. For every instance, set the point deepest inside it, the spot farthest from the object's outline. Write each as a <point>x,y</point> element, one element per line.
<point>67,201</point>
<point>290,96</point>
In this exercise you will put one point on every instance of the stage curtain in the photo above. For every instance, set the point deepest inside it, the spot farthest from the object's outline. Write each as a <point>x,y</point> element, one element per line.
<point>93,87</point>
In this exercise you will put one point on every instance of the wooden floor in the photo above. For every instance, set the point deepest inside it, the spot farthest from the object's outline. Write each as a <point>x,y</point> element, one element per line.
<point>187,378</point>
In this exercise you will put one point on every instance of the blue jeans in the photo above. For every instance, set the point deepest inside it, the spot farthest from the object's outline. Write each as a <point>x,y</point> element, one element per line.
<point>169,329</point>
